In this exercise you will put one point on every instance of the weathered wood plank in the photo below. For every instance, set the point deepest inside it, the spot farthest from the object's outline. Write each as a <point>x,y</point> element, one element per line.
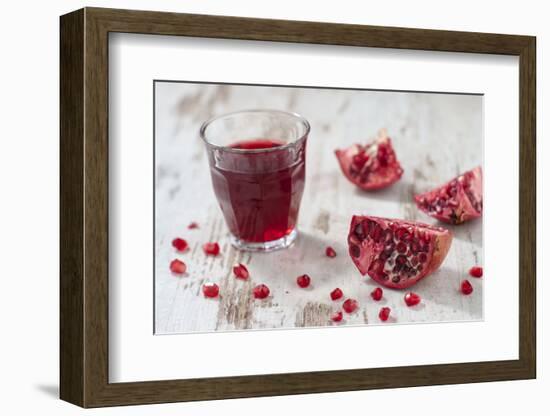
<point>436,137</point>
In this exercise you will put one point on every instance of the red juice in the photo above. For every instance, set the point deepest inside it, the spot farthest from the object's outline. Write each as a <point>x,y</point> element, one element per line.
<point>259,190</point>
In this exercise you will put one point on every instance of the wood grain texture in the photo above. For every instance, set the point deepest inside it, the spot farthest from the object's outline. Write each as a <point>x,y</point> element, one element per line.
<point>84,222</point>
<point>436,137</point>
<point>228,27</point>
<point>528,209</point>
<point>72,367</point>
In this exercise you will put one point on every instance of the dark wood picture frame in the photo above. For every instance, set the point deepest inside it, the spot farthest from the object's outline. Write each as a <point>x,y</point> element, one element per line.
<point>84,207</point>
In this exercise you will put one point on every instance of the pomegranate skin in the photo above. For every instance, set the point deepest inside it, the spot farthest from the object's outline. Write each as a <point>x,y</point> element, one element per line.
<point>372,166</point>
<point>374,247</point>
<point>456,201</point>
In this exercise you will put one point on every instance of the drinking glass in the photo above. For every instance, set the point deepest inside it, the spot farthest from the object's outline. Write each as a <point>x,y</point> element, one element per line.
<point>257,162</point>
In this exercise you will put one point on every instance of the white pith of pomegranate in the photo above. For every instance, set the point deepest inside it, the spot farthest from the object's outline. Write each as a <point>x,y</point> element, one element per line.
<point>396,253</point>
<point>371,166</point>
<point>456,201</point>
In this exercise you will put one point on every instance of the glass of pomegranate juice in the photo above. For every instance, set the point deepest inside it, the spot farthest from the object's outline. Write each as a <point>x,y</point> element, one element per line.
<point>257,162</point>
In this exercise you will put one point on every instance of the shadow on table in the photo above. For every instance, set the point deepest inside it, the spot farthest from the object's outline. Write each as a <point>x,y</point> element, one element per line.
<point>469,231</point>
<point>51,390</point>
<point>309,249</point>
<point>401,192</point>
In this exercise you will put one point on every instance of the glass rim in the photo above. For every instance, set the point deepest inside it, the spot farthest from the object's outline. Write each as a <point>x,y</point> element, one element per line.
<point>290,114</point>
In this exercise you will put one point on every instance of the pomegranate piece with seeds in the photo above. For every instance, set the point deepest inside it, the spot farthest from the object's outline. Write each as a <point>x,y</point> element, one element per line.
<point>466,287</point>
<point>261,291</point>
<point>336,294</point>
<point>371,166</point>
<point>476,271</point>
<point>412,299</point>
<point>211,249</point>
<point>337,316</point>
<point>350,305</point>
<point>384,313</point>
<point>240,271</point>
<point>396,253</point>
<point>457,201</point>
<point>179,244</point>
<point>210,290</point>
<point>193,226</point>
<point>330,252</point>
<point>303,280</point>
<point>178,266</point>
<point>376,294</point>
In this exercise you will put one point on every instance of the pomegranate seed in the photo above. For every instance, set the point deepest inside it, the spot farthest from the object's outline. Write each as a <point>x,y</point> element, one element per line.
<point>330,252</point>
<point>303,280</point>
<point>336,294</point>
<point>378,265</point>
<point>350,305</point>
<point>337,316</point>
<point>193,226</point>
<point>210,290</point>
<point>401,247</point>
<point>211,249</point>
<point>400,233</point>
<point>377,233</point>
<point>476,271</point>
<point>384,313</point>
<point>261,291</point>
<point>466,287</point>
<point>382,155</point>
<point>240,271</point>
<point>360,159</point>
<point>412,299</point>
<point>179,244</point>
<point>401,260</point>
<point>177,266</point>
<point>377,293</point>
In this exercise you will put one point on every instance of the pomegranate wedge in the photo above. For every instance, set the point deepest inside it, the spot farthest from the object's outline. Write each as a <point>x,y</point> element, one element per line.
<point>371,166</point>
<point>396,253</point>
<point>457,201</point>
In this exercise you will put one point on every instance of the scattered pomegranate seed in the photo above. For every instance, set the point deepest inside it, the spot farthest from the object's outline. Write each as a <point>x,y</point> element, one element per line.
<point>337,316</point>
<point>384,313</point>
<point>179,244</point>
<point>350,305</point>
<point>303,280</point>
<point>210,290</point>
<point>466,287</point>
<point>336,294</point>
<point>177,266</point>
<point>376,294</point>
<point>211,249</point>
<point>476,271</point>
<point>330,252</point>
<point>193,226</point>
<point>261,291</point>
<point>412,299</point>
<point>240,271</point>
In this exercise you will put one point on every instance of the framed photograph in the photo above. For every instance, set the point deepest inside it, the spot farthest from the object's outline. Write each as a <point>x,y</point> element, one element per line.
<point>256,207</point>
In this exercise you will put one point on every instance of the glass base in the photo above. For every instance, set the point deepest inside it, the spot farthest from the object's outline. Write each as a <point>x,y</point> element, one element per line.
<point>266,246</point>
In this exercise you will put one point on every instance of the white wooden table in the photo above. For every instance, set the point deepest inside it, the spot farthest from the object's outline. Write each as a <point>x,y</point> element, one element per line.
<point>436,137</point>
